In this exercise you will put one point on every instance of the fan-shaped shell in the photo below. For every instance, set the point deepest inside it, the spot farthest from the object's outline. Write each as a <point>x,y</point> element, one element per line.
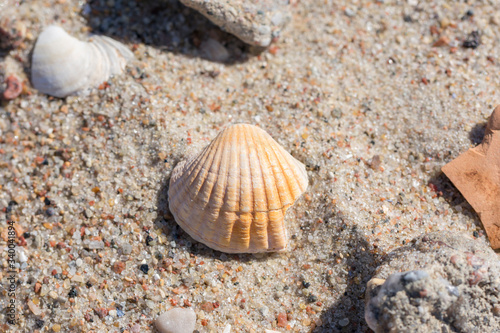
<point>62,65</point>
<point>234,194</point>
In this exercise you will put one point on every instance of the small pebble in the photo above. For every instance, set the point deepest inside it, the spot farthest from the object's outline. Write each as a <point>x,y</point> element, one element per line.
<point>312,299</point>
<point>73,293</point>
<point>78,279</point>
<point>14,88</point>
<point>282,320</point>
<point>22,257</point>
<point>39,323</point>
<point>496,310</point>
<point>264,311</point>
<point>50,211</point>
<point>144,268</point>
<point>350,12</point>
<point>101,312</point>
<point>34,308</point>
<point>227,329</point>
<point>473,40</point>
<point>177,320</point>
<point>126,249</point>
<point>44,290</point>
<point>93,244</point>
<point>119,266</point>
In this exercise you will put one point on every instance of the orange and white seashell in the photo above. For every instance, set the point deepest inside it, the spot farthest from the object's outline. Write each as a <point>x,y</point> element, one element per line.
<point>233,196</point>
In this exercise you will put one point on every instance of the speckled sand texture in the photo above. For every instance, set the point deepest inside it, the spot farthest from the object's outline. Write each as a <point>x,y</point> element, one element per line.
<point>355,90</point>
<point>442,282</point>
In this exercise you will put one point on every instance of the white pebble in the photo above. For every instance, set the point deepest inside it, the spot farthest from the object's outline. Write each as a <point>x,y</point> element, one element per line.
<point>22,256</point>
<point>34,308</point>
<point>227,329</point>
<point>177,320</point>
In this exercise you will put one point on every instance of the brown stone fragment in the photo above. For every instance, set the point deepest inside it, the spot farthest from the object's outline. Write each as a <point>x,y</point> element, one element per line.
<point>375,162</point>
<point>476,174</point>
<point>118,267</point>
<point>101,312</point>
<point>282,319</point>
<point>14,87</point>
<point>442,41</point>
<point>207,307</point>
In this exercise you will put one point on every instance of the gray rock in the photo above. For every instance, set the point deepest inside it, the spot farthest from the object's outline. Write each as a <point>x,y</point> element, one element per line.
<point>177,320</point>
<point>254,22</point>
<point>453,285</point>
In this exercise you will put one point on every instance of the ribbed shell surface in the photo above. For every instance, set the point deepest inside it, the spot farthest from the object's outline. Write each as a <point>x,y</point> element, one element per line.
<point>233,196</point>
<point>62,65</point>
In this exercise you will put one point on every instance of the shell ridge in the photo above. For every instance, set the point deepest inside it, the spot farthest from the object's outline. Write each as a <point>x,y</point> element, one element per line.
<point>235,164</point>
<point>279,158</point>
<point>113,50</point>
<point>101,64</point>
<point>120,48</point>
<point>246,187</point>
<point>196,180</point>
<point>213,170</point>
<point>238,220</point>
<point>262,179</point>
<point>266,210</point>
<point>182,186</point>
<point>202,157</point>
<point>293,166</point>
<point>229,227</point>
<point>269,225</point>
<point>240,223</point>
<point>268,155</point>
<point>194,163</point>
<point>197,206</point>
<point>254,173</point>
<point>207,189</point>
<point>271,142</point>
<point>219,188</point>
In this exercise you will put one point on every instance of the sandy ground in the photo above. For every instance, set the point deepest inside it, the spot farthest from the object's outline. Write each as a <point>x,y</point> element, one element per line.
<point>347,81</point>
